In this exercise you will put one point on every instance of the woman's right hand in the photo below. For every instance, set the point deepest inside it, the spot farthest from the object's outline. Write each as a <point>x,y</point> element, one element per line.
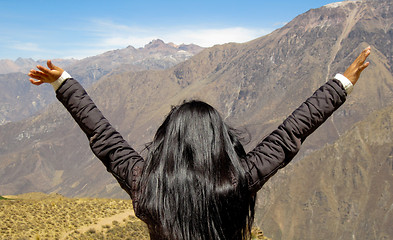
<point>354,70</point>
<point>45,75</point>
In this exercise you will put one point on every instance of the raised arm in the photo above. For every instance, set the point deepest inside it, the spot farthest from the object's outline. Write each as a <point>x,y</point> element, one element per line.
<point>106,143</point>
<point>279,148</point>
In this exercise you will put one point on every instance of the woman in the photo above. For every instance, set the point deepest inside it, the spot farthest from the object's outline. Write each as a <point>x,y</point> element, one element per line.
<point>197,182</point>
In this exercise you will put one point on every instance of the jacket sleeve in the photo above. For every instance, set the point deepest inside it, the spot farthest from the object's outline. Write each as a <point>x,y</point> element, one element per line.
<point>107,144</point>
<point>280,147</point>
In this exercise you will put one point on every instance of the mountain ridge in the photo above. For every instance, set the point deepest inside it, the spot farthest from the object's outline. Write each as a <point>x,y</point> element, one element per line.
<point>23,65</point>
<point>30,100</point>
<point>339,191</point>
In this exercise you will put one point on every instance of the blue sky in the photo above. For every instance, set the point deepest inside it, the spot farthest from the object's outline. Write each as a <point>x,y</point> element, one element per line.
<point>77,29</point>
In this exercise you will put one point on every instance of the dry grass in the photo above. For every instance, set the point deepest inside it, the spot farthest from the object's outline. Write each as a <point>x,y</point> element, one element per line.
<point>129,229</point>
<point>50,217</point>
<point>39,216</point>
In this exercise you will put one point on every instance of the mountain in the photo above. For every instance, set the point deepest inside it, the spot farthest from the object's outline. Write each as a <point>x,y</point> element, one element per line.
<point>155,55</point>
<point>342,191</point>
<point>255,85</point>
<point>20,99</point>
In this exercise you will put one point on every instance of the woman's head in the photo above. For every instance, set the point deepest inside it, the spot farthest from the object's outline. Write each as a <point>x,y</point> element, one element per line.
<point>193,186</point>
<point>195,134</point>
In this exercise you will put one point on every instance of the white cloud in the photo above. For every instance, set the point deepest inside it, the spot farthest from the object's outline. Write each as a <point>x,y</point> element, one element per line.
<point>202,37</point>
<point>99,36</point>
<point>27,46</point>
<point>210,37</point>
<point>125,41</point>
<point>110,34</point>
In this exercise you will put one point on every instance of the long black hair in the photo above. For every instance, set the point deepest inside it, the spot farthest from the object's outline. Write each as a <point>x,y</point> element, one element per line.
<point>193,185</point>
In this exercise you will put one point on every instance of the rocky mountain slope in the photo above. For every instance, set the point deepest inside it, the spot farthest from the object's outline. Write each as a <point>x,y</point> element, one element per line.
<point>19,99</point>
<point>254,85</point>
<point>342,191</point>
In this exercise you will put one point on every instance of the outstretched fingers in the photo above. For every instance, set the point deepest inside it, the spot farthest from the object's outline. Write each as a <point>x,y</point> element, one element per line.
<point>362,58</point>
<point>355,69</point>
<point>44,70</point>
<point>39,75</point>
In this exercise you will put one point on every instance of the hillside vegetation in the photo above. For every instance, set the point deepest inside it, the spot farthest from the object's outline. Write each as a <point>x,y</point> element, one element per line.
<point>41,216</point>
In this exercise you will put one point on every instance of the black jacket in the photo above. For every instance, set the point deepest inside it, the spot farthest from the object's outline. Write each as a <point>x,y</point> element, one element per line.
<point>273,153</point>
